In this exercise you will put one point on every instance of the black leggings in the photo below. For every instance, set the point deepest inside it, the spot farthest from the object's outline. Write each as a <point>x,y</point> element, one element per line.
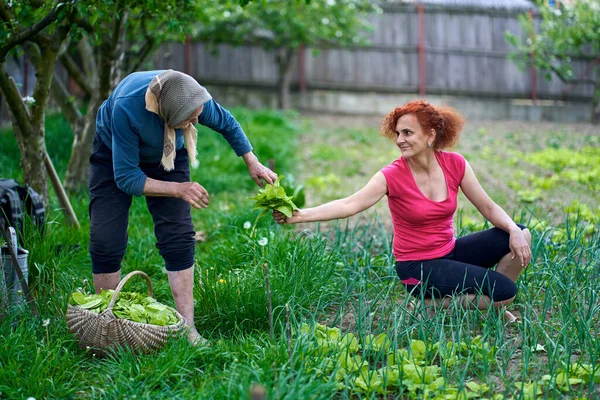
<point>466,269</point>
<point>109,214</point>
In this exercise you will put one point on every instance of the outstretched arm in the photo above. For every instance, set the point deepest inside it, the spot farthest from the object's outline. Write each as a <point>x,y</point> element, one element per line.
<point>366,197</point>
<point>495,214</point>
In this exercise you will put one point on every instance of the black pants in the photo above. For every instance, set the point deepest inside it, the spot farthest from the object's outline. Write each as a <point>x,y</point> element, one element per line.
<point>109,214</point>
<point>466,269</point>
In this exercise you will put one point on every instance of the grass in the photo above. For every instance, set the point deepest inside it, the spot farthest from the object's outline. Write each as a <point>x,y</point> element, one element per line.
<point>340,274</point>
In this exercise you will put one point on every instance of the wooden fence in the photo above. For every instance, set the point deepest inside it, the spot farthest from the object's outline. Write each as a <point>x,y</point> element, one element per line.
<point>432,50</point>
<point>429,49</point>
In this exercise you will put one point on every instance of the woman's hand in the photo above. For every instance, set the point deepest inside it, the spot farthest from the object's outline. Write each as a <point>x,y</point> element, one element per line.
<point>193,193</point>
<point>258,171</point>
<point>519,248</point>
<point>280,218</point>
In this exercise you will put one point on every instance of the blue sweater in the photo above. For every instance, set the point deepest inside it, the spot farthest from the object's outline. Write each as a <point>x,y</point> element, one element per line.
<point>136,135</point>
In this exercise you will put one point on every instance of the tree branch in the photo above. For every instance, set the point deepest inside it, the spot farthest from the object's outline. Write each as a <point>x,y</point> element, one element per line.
<point>75,73</point>
<point>44,69</point>
<point>84,24</point>
<point>142,54</point>
<point>27,33</point>
<point>89,60</point>
<point>14,100</point>
<point>560,75</point>
<point>62,98</point>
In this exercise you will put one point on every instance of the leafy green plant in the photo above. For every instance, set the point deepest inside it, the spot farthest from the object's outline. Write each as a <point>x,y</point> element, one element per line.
<point>133,306</point>
<point>273,197</point>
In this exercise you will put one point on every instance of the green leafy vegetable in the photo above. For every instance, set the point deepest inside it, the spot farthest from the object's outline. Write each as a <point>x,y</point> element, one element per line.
<point>133,306</point>
<point>273,197</point>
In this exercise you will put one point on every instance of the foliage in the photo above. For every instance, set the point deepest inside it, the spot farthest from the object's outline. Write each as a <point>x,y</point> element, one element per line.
<point>565,33</point>
<point>282,26</point>
<point>273,197</point>
<point>145,26</point>
<point>133,306</point>
<point>275,24</point>
<point>413,371</point>
<point>563,165</point>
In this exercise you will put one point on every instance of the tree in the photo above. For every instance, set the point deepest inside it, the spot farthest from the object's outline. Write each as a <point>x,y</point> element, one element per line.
<point>282,26</point>
<point>113,39</point>
<point>108,37</point>
<point>565,32</point>
<point>39,27</point>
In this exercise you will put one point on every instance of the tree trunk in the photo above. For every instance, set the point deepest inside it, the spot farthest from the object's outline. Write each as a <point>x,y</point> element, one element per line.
<point>28,122</point>
<point>84,126</point>
<point>78,168</point>
<point>101,77</point>
<point>32,145</point>
<point>284,62</point>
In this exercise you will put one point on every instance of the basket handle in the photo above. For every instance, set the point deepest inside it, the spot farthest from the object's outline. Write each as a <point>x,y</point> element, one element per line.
<point>113,299</point>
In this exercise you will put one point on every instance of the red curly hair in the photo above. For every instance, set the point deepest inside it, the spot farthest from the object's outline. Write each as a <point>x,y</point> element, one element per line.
<point>446,121</point>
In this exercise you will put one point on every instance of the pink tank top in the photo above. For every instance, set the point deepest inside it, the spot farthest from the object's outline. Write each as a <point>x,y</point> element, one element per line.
<point>423,228</point>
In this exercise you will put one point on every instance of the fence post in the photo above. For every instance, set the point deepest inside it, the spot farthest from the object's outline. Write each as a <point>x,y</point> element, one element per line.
<point>187,55</point>
<point>25,77</point>
<point>302,68</point>
<point>533,71</point>
<point>421,48</point>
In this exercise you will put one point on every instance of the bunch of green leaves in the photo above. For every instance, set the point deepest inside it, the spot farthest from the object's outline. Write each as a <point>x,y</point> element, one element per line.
<point>273,197</point>
<point>133,306</point>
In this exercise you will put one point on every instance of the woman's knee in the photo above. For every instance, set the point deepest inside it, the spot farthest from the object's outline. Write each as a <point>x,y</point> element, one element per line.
<point>506,302</point>
<point>501,289</point>
<point>178,259</point>
<point>526,232</point>
<point>527,235</point>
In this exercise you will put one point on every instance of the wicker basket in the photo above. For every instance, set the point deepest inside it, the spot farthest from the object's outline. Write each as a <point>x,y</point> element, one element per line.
<point>104,331</point>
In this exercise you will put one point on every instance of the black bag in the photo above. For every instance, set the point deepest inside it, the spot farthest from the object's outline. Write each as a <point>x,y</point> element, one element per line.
<point>15,200</point>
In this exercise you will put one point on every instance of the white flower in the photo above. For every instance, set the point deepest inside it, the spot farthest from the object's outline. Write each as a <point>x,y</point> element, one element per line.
<point>263,242</point>
<point>227,14</point>
<point>28,100</point>
<point>30,398</point>
<point>247,225</point>
<point>331,3</point>
<point>46,322</point>
<point>325,21</point>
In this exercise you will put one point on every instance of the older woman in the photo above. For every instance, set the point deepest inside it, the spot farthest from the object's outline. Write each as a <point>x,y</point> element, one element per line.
<point>139,150</point>
<point>422,187</point>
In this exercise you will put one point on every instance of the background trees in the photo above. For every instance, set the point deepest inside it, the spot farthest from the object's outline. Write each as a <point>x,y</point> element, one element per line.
<point>565,32</point>
<point>113,38</point>
<point>282,26</point>
<point>38,28</point>
<point>98,42</point>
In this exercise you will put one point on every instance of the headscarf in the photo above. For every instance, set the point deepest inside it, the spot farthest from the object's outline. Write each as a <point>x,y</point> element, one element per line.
<point>174,96</point>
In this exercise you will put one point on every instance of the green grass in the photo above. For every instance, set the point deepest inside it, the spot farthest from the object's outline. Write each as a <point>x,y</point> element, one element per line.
<point>340,274</point>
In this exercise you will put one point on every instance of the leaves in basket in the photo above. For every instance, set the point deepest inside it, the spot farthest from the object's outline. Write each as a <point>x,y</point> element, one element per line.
<point>133,306</point>
<point>273,197</point>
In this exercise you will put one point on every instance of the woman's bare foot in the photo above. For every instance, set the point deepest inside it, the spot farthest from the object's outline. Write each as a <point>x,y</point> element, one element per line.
<point>195,339</point>
<point>509,317</point>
